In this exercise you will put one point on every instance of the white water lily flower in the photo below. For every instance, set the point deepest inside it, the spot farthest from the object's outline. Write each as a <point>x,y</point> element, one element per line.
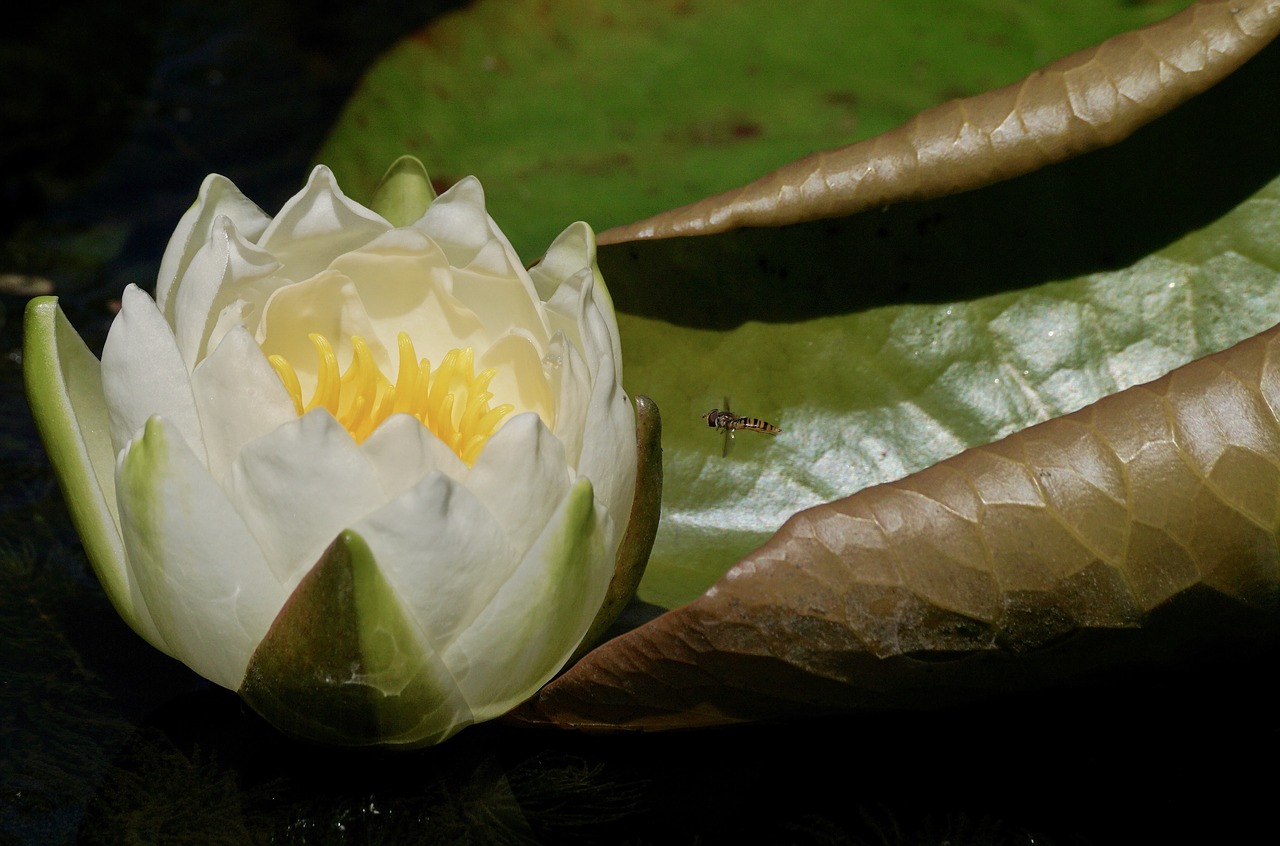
<point>372,476</point>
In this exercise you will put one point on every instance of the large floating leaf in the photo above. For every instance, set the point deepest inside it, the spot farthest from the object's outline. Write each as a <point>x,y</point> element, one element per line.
<point>1002,568</point>
<point>612,110</point>
<point>1082,102</point>
<point>851,334</point>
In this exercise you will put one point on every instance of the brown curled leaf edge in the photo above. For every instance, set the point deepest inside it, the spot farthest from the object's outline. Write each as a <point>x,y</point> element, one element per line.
<point>1114,534</point>
<point>1133,528</point>
<point>1088,100</point>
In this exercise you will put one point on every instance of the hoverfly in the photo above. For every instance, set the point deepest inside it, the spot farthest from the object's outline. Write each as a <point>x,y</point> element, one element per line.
<point>728,422</point>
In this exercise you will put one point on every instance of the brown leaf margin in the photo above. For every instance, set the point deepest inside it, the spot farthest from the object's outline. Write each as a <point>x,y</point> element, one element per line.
<point>1088,100</point>
<point>1123,532</point>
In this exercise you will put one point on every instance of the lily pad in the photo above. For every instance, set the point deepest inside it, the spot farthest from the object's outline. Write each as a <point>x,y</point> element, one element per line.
<point>884,342</point>
<point>612,111</point>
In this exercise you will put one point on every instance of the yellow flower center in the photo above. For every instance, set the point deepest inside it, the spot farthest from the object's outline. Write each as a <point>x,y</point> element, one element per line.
<point>452,401</point>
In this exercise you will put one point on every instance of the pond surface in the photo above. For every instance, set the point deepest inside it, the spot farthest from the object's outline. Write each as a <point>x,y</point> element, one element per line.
<point>120,114</point>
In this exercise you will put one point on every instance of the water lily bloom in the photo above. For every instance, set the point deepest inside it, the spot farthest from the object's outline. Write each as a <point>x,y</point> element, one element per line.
<point>360,466</point>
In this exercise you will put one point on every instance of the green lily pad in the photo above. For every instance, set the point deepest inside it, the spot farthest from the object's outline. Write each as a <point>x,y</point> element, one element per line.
<point>885,342</point>
<point>612,111</point>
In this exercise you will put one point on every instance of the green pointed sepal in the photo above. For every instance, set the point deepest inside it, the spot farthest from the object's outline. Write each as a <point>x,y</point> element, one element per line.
<point>345,664</point>
<point>404,193</point>
<point>642,526</point>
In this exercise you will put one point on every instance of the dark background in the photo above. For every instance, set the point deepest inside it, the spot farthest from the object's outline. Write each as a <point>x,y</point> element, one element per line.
<point>111,114</point>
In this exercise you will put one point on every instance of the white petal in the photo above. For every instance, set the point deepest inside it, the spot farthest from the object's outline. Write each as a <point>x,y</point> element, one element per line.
<point>458,222</point>
<point>239,397</point>
<point>540,614</point>
<point>568,256</point>
<point>64,388</point>
<point>143,374</point>
<point>203,578</point>
<point>571,382</point>
<point>317,225</point>
<point>403,452</point>
<point>327,304</point>
<point>574,311</point>
<point>609,446</point>
<point>601,301</point>
<point>218,271</point>
<point>404,284</point>
<point>218,197</point>
<point>521,374</point>
<point>521,476</point>
<point>443,552</point>
<point>298,487</point>
<point>502,303</point>
<point>573,250</point>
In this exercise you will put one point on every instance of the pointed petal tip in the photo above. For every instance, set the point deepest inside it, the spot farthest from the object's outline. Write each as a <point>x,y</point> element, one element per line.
<point>344,664</point>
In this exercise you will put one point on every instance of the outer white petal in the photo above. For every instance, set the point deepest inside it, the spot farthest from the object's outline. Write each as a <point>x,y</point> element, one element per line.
<point>572,253</point>
<point>203,577</point>
<point>403,452</point>
<point>609,446</point>
<point>457,221</point>
<point>239,397</point>
<point>443,552</point>
<point>525,450</point>
<point>571,382</point>
<point>218,197</point>
<point>217,272</point>
<point>298,487</point>
<point>317,225</point>
<point>574,311</point>
<point>540,614</point>
<point>64,387</point>
<point>143,374</point>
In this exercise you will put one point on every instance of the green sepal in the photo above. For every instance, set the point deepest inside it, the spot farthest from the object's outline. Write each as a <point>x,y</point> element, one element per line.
<point>642,526</point>
<point>63,381</point>
<point>344,663</point>
<point>404,193</point>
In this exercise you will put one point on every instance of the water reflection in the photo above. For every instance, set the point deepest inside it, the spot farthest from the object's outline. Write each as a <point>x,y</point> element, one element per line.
<point>235,776</point>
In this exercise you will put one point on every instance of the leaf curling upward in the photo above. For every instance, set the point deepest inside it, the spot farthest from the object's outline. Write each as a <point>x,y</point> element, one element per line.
<point>1126,531</point>
<point>1085,101</point>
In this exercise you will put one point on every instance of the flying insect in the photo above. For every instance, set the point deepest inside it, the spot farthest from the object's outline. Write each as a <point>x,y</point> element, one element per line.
<point>726,421</point>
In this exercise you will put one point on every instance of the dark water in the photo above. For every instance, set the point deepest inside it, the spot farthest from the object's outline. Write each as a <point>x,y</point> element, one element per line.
<point>111,117</point>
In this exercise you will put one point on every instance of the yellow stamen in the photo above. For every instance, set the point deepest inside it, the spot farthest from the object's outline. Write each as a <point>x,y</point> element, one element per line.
<point>363,397</point>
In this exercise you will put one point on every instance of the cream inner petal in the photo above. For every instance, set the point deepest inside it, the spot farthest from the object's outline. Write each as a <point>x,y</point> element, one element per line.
<point>502,303</point>
<point>522,374</point>
<point>405,285</point>
<point>296,311</point>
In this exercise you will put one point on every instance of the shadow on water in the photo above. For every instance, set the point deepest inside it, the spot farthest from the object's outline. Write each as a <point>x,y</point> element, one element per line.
<point>1059,768</point>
